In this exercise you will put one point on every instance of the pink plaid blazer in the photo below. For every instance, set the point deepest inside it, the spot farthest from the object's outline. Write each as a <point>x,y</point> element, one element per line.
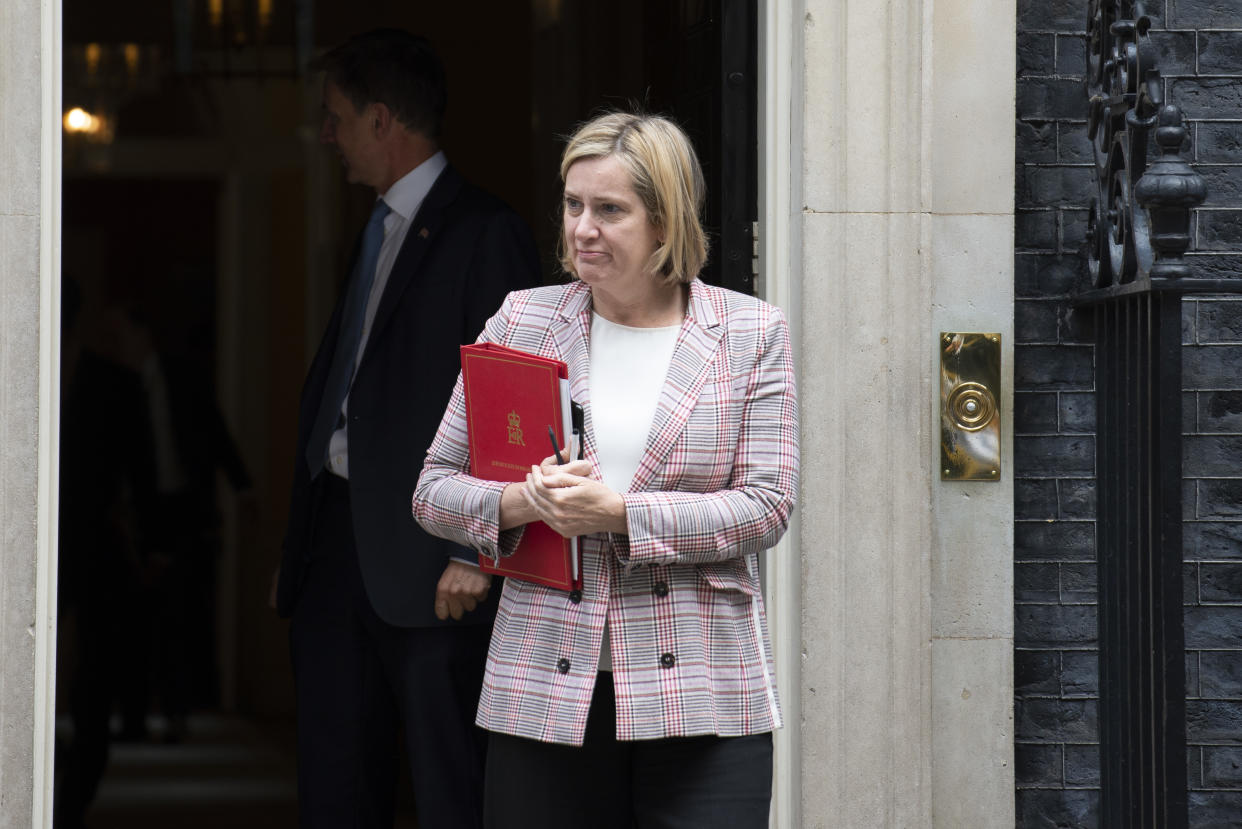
<point>680,592</point>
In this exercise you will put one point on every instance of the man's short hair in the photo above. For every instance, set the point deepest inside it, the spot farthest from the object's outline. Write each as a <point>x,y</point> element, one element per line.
<point>394,68</point>
<point>665,174</point>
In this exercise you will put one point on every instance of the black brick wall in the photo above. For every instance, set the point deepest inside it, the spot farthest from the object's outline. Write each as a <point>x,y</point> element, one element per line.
<point>1199,43</point>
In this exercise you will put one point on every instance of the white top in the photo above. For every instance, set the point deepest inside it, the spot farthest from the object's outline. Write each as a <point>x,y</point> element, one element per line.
<point>628,367</point>
<point>404,198</point>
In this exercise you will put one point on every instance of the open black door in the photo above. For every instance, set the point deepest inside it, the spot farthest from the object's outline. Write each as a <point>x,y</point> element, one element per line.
<point>701,68</point>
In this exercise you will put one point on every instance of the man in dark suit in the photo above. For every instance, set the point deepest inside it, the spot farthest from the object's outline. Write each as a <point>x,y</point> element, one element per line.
<point>390,625</point>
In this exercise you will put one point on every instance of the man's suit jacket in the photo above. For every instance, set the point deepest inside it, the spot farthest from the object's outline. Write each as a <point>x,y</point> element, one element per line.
<point>715,486</point>
<point>464,251</point>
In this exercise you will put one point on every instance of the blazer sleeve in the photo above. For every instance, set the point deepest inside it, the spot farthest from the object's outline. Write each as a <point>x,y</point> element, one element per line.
<point>671,527</point>
<point>450,503</point>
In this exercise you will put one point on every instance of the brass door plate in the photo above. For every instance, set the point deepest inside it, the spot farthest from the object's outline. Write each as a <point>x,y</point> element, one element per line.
<point>970,418</point>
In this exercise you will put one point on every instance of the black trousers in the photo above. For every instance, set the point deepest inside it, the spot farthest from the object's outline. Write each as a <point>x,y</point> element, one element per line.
<point>674,783</point>
<point>362,683</point>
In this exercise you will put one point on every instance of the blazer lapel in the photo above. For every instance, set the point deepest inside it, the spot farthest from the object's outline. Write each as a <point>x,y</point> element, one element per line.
<point>571,333</point>
<point>424,226</point>
<point>689,369</point>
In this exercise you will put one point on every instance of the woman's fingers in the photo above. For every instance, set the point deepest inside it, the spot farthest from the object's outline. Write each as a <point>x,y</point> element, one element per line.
<point>551,497</point>
<point>573,505</point>
<point>551,460</point>
<point>536,492</point>
<point>560,480</point>
<point>580,468</point>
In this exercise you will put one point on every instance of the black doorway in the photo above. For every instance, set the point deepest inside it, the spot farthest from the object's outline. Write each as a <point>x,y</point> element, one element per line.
<point>201,211</point>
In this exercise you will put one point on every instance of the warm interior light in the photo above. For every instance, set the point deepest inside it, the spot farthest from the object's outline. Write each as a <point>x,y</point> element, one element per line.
<point>90,125</point>
<point>93,53</point>
<point>132,55</point>
<point>79,120</point>
<point>265,14</point>
<point>215,12</point>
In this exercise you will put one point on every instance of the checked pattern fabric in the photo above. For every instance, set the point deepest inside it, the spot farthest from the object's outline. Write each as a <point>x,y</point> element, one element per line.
<point>680,592</point>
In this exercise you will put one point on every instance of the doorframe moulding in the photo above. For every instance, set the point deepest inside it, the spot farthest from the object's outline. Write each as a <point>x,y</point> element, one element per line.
<point>780,266</point>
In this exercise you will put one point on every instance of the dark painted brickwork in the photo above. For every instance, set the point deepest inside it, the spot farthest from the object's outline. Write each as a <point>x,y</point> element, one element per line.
<point>1200,54</point>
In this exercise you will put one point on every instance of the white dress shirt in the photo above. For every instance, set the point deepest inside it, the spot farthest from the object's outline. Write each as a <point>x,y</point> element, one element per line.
<point>404,198</point>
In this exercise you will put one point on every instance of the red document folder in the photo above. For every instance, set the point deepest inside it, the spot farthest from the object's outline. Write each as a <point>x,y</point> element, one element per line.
<point>512,397</point>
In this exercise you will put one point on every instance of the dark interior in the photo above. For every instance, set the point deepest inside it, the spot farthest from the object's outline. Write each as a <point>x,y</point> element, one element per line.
<point>204,224</point>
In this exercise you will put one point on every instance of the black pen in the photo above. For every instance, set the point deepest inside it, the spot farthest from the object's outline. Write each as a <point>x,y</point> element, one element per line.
<point>556,450</point>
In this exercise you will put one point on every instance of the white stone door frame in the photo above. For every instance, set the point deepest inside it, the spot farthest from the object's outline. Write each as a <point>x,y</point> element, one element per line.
<point>780,164</point>
<point>779,140</point>
<point>42,24</point>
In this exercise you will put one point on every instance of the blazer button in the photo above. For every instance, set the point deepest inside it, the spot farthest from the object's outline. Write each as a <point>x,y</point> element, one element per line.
<point>575,596</point>
<point>667,660</point>
<point>661,589</point>
<point>563,665</point>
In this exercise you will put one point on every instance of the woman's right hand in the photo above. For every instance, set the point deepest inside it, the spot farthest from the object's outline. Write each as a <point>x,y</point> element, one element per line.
<point>516,509</point>
<point>568,500</point>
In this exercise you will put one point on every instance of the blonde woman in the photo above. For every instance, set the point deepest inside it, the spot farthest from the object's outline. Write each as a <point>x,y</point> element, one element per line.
<point>646,699</point>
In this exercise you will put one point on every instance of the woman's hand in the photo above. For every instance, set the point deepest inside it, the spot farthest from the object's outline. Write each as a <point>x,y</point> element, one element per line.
<point>564,497</point>
<point>515,510</point>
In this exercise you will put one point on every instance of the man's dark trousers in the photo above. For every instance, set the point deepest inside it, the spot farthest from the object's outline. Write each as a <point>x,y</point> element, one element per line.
<point>362,683</point>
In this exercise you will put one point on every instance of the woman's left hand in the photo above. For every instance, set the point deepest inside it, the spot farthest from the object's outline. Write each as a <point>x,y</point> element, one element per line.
<point>571,503</point>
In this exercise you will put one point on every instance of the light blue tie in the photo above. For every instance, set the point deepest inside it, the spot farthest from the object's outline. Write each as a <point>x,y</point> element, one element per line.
<point>343,359</point>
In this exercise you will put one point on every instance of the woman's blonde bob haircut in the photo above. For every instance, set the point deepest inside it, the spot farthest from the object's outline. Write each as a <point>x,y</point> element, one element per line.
<point>666,177</point>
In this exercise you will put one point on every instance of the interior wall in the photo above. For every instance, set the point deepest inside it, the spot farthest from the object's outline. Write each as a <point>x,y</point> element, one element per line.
<point>272,252</point>
<point>243,122</point>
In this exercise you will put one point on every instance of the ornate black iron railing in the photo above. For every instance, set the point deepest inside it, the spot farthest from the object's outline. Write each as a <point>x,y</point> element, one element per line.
<point>1139,231</point>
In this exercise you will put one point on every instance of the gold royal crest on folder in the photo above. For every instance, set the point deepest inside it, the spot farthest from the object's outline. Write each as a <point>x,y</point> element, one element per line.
<point>515,429</point>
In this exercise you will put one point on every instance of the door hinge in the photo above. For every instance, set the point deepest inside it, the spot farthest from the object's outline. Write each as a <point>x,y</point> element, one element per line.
<point>754,249</point>
<point>756,280</point>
